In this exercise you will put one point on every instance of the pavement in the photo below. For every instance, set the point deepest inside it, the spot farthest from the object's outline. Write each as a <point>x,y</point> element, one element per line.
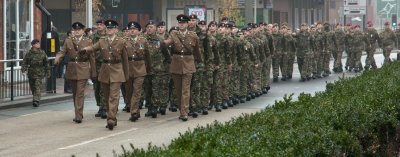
<point>48,131</point>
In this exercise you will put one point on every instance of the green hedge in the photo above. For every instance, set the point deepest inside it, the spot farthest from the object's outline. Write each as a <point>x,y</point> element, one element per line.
<point>354,117</point>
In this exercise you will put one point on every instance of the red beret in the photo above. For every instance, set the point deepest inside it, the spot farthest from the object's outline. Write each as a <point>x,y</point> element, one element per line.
<point>349,24</point>
<point>370,24</point>
<point>386,23</point>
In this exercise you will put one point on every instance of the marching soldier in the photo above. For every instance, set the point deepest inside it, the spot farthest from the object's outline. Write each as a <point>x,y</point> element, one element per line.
<point>139,59</point>
<point>291,54</point>
<point>372,37</point>
<point>387,39</point>
<point>358,42</point>
<point>277,57</point>
<point>36,65</point>
<point>98,93</point>
<point>185,46</point>
<point>215,36</point>
<point>320,42</point>
<point>338,53</point>
<point>331,46</point>
<point>204,74</point>
<point>195,89</point>
<point>304,44</point>
<point>79,67</point>
<point>114,69</point>
<point>245,61</point>
<point>157,74</point>
<point>126,36</point>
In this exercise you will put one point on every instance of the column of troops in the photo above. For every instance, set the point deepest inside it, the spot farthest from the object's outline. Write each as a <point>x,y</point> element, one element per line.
<point>197,67</point>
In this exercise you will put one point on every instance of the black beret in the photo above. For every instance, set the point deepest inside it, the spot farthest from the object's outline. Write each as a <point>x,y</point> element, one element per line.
<point>221,25</point>
<point>182,18</point>
<point>100,21</point>
<point>34,41</point>
<point>162,23</point>
<point>125,28</point>
<point>202,23</point>
<point>77,25</point>
<point>229,25</point>
<point>134,25</point>
<point>212,23</point>
<point>111,24</point>
<point>250,24</point>
<point>151,22</point>
<point>246,29</point>
<point>193,16</point>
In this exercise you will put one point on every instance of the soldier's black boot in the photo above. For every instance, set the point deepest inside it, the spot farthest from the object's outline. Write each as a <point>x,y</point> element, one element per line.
<point>218,107</point>
<point>236,100</point>
<point>162,110</point>
<point>242,100</point>
<point>98,113</point>
<point>276,79</point>
<point>225,104</point>
<point>127,108</point>
<point>248,98</point>
<point>289,77</point>
<point>173,108</point>
<point>205,111</point>
<point>283,78</point>
<point>154,112</point>
<point>253,95</point>
<point>134,117</point>
<point>264,90</point>
<point>141,104</point>
<point>230,102</point>
<point>268,88</point>
<point>193,114</point>
<point>149,110</point>
<point>35,103</point>
<point>210,106</point>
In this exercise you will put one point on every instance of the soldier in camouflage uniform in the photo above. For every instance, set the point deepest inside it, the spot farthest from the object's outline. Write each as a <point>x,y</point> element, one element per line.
<point>36,65</point>
<point>157,74</point>
<point>214,36</point>
<point>277,57</point>
<point>331,46</point>
<point>304,43</point>
<point>198,75</point>
<point>245,63</point>
<point>372,37</point>
<point>340,45</point>
<point>291,54</point>
<point>285,48</point>
<point>127,96</point>
<point>227,48</point>
<point>235,77</point>
<point>357,43</point>
<point>269,47</point>
<point>98,93</point>
<point>320,43</point>
<point>349,32</point>
<point>387,39</point>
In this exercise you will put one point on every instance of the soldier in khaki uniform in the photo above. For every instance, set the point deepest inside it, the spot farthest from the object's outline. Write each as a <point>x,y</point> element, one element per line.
<point>80,67</point>
<point>113,71</point>
<point>185,47</point>
<point>138,56</point>
<point>98,93</point>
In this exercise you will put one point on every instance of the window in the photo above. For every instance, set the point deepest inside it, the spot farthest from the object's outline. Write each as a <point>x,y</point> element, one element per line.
<point>18,29</point>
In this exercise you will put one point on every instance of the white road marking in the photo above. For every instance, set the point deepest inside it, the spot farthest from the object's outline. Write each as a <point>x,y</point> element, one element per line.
<point>33,113</point>
<point>98,139</point>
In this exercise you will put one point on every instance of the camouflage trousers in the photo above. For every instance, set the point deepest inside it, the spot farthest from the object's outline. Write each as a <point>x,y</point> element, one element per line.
<point>195,90</point>
<point>36,85</point>
<point>386,53</point>
<point>370,60</point>
<point>172,93</point>
<point>349,58</point>
<point>304,63</point>
<point>290,62</point>
<point>266,72</point>
<point>356,62</point>
<point>318,62</point>
<point>234,81</point>
<point>326,59</point>
<point>257,78</point>
<point>337,56</point>
<point>220,82</point>
<point>98,92</point>
<point>244,86</point>
<point>276,63</point>
<point>159,89</point>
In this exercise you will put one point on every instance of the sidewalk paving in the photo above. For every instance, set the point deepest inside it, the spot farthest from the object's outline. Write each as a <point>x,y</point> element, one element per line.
<point>21,101</point>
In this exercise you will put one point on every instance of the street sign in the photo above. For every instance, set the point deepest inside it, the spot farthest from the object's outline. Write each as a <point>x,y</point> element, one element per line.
<point>355,7</point>
<point>354,10</point>
<point>355,3</point>
<point>385,8</point>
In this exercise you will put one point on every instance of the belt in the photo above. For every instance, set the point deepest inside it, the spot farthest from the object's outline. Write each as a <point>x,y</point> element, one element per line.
<point>135,58</point>
<point>183,53</point>
<point>112,61</point>
<point>78,60</point>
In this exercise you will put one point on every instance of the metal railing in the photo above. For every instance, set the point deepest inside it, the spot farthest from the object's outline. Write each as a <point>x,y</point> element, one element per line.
<point>14,83</point>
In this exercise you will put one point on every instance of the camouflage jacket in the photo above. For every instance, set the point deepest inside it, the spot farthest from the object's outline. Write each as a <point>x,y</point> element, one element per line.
<point>372,37</point>
<point>388,38</point>
<point>304,42</point>
<point>331,44</point>
<point>320,41</point>
<point>158,58</point>
<point>36,64</point>
<point>340,38</point>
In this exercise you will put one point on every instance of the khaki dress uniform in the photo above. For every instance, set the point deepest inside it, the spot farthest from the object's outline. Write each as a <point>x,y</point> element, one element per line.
<point>138,56</point>
<point>113,72</point>
<point>185,50</point>
<point>80,68</point>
